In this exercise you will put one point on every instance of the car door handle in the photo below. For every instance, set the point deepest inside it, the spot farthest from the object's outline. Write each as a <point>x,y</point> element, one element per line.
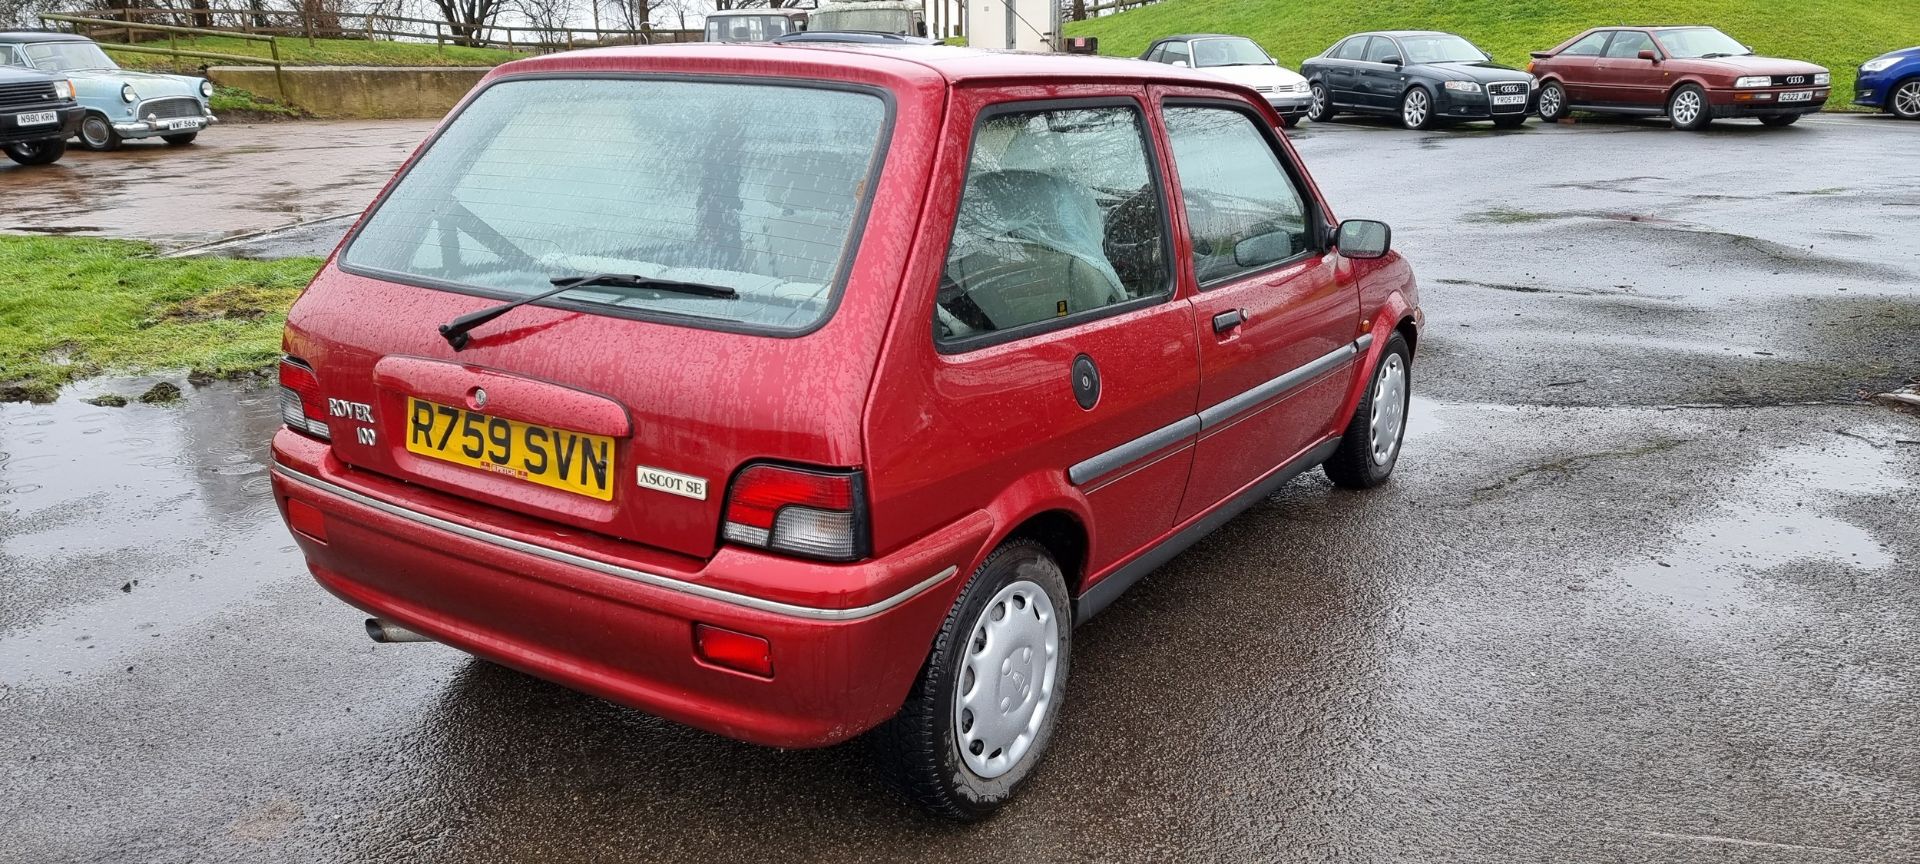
<point>1228,320</point>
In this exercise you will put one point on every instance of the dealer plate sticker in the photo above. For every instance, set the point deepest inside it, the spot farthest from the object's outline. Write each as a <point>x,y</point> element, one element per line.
<point>37,118</point>
<point>671,483</point>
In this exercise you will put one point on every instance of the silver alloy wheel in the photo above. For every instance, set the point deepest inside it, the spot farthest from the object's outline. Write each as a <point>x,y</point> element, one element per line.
<point>1414,112</point>
<point>1906,100</point>
<point>1007,679</point>
<point>1686,108</point>
<point>1389,409</point>
<point>1550,102</point>
<point>1319,108</point>
<point>95,131</point>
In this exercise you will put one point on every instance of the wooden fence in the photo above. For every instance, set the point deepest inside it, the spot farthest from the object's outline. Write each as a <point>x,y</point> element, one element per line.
<point>357,25</point>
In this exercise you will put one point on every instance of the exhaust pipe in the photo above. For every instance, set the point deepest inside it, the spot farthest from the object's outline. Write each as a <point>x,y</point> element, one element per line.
<point>382,630</point>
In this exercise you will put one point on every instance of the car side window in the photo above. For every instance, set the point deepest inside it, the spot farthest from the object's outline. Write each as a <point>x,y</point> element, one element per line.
<point>1588,46</point>
<point>1629,44</point>
<point>10,57</point>
<point>1060,216</point>
<point>1354,48</point>
<point>1381,49</point>
<point>1157,55</point>
<point>1244,210</point>
<point>1176,51</point>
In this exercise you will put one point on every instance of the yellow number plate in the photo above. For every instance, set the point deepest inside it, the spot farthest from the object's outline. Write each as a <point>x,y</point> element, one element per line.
<point>572,461</point>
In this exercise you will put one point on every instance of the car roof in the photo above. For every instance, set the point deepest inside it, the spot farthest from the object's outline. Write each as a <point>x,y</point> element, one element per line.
<point>1399,33</point>
<point>40,36</point>
<point>1189,37</point>
<point>952,63</point>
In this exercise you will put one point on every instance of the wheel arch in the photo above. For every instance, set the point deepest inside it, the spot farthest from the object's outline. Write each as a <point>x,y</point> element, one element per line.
<point>1065,537</point>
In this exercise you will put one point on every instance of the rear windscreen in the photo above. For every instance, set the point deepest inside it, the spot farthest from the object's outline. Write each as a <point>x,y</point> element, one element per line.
<point>754,188</point>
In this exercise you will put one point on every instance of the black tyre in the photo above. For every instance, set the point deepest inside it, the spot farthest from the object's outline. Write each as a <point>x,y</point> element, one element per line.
<point>1513,122</point>
<point>978,720</point>
<point>1322,108</point>
<point>37,152</point>
<point>1904,100</point>
<point>1688,108</point>
<point>180,140</point>
<point>1416,109</point>
<point>1780,120</point>
<point>97,134</point>
<point>1371,445</point>
<point>1553,105</point>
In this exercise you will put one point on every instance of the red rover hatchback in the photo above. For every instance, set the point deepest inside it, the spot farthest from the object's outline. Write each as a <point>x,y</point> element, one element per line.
<point>791,392</point>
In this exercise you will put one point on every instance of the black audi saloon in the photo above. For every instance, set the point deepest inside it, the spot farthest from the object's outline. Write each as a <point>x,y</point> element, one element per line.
<point>1423,77</point>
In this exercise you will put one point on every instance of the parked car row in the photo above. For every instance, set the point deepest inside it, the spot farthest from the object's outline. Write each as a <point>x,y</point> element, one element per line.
<point>1692,75</point>
<point>94,100</point>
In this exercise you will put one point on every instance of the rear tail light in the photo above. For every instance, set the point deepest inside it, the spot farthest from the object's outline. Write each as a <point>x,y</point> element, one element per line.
<point>301,405</point>
<point>816,514</point>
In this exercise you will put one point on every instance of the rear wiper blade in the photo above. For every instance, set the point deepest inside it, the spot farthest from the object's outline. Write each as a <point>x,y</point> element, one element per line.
<point>456,331</point>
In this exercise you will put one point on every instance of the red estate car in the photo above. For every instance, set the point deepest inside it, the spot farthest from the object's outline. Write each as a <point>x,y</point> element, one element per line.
<point>1691,74</point>
<point>847,379</point>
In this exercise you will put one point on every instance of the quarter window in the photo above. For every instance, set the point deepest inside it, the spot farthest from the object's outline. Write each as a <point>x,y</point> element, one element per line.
<point>1243,210</point>
<point>1060,216</point>
<point>1588,46</point>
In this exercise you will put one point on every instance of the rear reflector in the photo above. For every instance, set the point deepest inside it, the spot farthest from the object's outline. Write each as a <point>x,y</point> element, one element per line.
<point>736,651</point>
<point>302,407</point>
<point>818,514</point>
<point>306,519</point>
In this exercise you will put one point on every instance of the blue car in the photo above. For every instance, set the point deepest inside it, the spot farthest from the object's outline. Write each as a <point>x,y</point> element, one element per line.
<point>120,104</point>
<point>1891,83</point>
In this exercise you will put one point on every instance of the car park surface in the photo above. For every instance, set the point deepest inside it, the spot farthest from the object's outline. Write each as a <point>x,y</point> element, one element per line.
<point>1638,591</point>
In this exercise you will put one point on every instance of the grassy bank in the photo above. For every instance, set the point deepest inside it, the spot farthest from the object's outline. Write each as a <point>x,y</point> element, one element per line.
<point>1837,34</point>
<point>295,51</point>
<point>72,307</point>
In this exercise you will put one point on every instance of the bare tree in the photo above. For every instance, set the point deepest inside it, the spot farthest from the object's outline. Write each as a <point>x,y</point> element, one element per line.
<point>680,9</point>
<point>466,18</point>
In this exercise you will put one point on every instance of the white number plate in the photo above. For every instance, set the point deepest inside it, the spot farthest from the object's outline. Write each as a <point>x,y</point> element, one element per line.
<point>1520,99</point>
<point>1797,96</point>
<point>37,118</point>
<point>184,123</point>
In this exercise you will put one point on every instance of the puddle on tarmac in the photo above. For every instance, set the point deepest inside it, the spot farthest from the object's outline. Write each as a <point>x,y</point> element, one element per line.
<point>92,499</point>
<point>1783,511</point>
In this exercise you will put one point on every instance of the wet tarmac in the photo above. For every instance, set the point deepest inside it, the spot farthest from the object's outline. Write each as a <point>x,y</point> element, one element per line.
<point>1641,591</point>
<point>235,180</point>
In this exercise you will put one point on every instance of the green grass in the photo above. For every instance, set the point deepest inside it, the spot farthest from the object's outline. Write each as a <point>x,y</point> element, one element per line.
<point>295,51</point>
<point>72,307</point>
<point>1837,34</point>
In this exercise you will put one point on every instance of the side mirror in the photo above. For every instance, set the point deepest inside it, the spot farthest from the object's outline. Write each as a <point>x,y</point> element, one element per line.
<point>1648,54</point>
<point>920,27</point>
<point>1180,63</point>
<point>1363,238</point>
<point>1262,249</point>
<point>1394,61</point>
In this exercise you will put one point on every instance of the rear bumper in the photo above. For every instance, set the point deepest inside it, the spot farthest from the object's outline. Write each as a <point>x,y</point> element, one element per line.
<point>1763,103</point>
<point>13,133</point>
<point>623,633</point>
